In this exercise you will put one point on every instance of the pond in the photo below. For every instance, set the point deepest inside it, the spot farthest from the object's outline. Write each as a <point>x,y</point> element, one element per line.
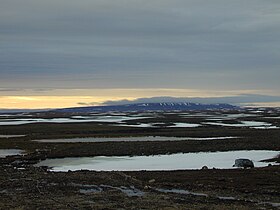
<point>153,125</point>
<point>11,136</point>
<point>9,152</point>
<point>133,139</point>
<point>180,161</point>
<point>250,124</point>
<point>76,119</point>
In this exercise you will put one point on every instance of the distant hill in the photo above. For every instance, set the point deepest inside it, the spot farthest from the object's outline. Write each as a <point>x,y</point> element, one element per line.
<point>183,106</point>
<point>242,99</point>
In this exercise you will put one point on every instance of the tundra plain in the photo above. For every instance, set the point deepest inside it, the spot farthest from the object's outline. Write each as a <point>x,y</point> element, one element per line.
<point>24,185</point>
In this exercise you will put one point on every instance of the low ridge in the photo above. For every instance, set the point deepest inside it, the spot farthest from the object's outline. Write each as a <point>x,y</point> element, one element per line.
<point>150,107</point>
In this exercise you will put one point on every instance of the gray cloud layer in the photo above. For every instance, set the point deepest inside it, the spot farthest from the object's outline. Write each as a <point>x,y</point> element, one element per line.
<point>213,44</point>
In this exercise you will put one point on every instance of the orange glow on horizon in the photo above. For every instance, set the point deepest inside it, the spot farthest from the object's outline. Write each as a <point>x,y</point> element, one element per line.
<point>44,102</point>
<point>62,98</point>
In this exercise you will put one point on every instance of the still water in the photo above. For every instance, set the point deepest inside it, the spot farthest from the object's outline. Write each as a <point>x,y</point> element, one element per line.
<point>223,160</point>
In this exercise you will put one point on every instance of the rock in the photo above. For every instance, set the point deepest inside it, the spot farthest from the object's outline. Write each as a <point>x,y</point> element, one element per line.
<point>152,181</point>
<point>243,163</point>
<point>204,168</point>
<point>147,187</point>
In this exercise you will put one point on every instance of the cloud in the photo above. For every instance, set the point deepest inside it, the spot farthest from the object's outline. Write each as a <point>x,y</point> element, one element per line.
<point>140,44</point>
<point>9,89</point>
<point>87,104</point>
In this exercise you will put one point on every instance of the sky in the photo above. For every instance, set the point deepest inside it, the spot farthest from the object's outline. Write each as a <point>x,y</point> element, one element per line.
<point>61,53</point>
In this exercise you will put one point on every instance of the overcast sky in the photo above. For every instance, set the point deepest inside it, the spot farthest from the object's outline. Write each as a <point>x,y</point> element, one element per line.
<point>174,44</point>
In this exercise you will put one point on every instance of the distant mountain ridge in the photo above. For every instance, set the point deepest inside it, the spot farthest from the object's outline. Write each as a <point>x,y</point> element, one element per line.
<point>242,99</point>
<point>178,106</point>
